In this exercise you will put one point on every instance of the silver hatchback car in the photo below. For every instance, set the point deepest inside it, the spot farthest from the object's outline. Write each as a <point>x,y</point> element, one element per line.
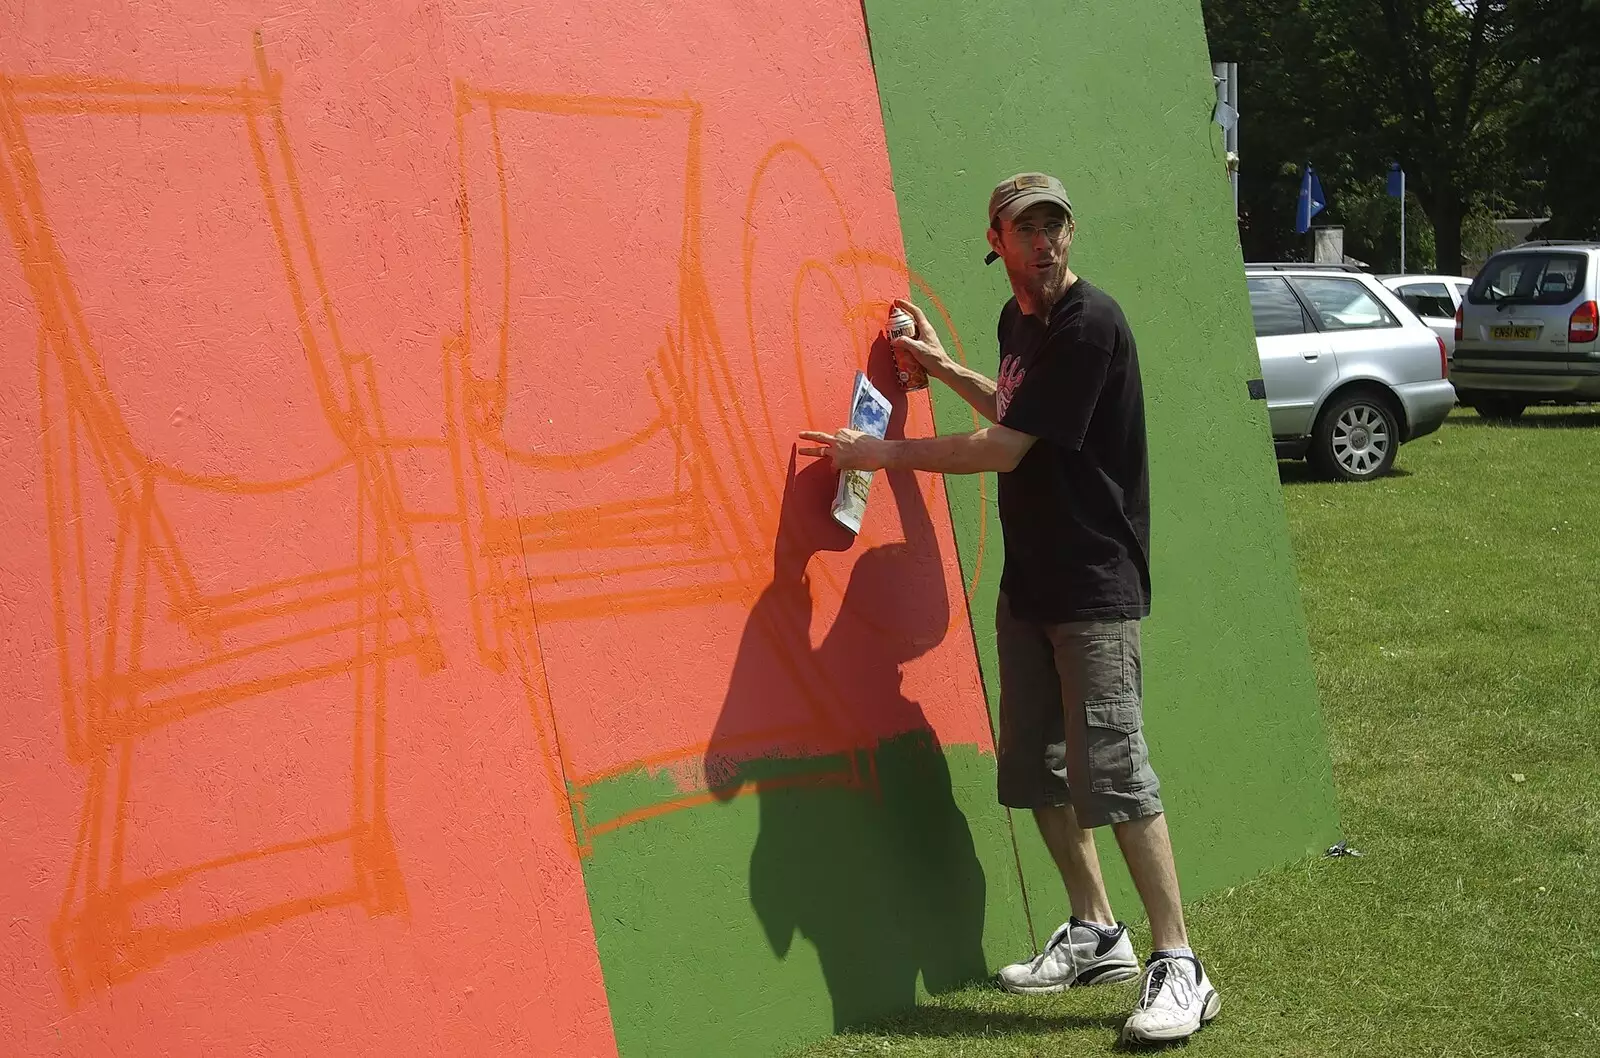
<point>1349,372</point>
<point>1529,329</point>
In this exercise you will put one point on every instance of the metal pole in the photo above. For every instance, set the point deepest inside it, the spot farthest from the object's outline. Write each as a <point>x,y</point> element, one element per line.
<point>1233,133</point>
<point>1225,75</point>
<point>1402,220</point>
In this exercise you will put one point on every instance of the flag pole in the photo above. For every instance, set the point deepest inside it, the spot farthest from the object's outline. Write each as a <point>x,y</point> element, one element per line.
<point>1402,220</point>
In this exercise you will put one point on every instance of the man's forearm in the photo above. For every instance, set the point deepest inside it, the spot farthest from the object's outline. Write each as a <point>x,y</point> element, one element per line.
<point>965,453</point>
<point>969,386</point>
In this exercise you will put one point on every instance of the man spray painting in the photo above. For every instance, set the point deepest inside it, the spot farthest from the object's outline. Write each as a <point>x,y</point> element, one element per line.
<point>1068,443</point>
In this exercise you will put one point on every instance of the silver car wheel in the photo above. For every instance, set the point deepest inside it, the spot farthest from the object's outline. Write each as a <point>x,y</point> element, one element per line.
<point>1361,439</point>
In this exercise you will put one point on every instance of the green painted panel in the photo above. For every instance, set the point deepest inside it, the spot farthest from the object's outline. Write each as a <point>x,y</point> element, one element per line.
<point>749,926</point>
<point>1116,99</point>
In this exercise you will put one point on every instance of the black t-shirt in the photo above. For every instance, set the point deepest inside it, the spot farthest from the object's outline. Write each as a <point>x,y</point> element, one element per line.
<point>1075,512</point>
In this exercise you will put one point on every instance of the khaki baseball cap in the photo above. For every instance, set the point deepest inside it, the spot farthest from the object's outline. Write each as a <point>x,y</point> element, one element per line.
<point>1015,194</point>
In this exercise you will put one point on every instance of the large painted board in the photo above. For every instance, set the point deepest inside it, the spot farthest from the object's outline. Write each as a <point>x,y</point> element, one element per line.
<point>1117,100</point>
<point>418,625</point>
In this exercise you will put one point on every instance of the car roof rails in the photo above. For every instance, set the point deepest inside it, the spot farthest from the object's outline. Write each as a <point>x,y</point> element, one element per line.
<point>1287,266</point>
<point>1588,244</point>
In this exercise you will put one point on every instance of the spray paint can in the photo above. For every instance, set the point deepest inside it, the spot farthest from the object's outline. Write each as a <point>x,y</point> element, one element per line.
<point>911,374</point>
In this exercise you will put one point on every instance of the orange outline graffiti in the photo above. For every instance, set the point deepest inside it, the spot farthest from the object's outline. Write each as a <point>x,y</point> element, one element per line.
<point>721,458</point>
<point>112,694</point>
<point>724,456</point>
<point>374,604</point>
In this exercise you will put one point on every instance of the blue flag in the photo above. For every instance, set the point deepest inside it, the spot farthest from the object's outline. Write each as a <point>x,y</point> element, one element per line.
<point>1397,181</point>
<point>1312,200</point>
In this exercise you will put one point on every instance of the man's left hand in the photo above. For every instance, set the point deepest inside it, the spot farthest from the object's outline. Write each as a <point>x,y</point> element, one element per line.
<point>849,449</point>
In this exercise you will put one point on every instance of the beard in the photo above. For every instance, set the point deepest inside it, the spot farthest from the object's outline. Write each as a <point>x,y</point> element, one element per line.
<point>1044,287</point>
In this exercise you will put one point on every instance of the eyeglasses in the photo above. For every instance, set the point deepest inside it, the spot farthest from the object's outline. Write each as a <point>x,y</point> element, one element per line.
<point>1052,231</point>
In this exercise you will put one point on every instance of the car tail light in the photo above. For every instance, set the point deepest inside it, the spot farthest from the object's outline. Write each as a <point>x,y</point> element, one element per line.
<point>1461,311</point>
<point>1585,325</point>
<point>1444,358</point>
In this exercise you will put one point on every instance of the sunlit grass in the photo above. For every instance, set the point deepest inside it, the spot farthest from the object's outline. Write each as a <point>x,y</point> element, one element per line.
<point>1455,618</point>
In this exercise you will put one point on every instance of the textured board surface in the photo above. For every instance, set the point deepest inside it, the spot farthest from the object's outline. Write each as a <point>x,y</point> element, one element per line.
<point>1116,99</point>
<point>421,637</point>
<point>414,603</point>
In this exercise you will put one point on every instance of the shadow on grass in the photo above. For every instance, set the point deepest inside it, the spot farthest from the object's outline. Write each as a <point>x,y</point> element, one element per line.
<point>954,1022</point>
<point>1299,472</point>
<point>1534,419</point>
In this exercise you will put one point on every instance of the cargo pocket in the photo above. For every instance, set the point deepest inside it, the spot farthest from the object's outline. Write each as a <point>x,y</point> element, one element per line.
<point>1116,745</point>
<point>1107,669</point>
<point>1105,660</point>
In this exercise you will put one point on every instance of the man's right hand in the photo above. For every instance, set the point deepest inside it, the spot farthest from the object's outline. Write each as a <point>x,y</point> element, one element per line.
<point>925,346</point>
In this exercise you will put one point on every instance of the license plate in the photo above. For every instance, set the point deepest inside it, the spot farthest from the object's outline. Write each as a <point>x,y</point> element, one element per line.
<point>1510,333</point>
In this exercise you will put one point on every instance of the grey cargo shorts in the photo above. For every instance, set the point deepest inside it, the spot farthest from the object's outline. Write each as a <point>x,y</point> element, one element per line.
<point>1071,719</point>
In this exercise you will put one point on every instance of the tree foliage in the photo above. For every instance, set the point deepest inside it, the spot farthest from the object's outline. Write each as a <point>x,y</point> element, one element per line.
<point>1475,98</point>
<point>1558,122</point>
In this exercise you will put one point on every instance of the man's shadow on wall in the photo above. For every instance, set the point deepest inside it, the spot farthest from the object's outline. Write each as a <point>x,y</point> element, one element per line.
<point>880,874</point>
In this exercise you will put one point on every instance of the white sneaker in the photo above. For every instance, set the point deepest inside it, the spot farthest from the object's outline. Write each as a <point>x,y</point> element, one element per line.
<point>1174,1001</point>
<point>1077,955</point>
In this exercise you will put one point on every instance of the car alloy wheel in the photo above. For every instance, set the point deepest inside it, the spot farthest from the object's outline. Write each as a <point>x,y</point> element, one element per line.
<point>1362,440</point>
<point>1357,436</point>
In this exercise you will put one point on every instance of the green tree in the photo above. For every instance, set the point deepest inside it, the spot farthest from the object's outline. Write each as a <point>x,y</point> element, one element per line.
<point>1445,96</point>
<point>1372,228</point>
<point>1353,85</point>
<point>1288,61</point>
<point>1559,123</point>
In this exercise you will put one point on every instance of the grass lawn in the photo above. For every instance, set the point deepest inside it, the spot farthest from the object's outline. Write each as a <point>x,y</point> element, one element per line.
<point>1455,620</point>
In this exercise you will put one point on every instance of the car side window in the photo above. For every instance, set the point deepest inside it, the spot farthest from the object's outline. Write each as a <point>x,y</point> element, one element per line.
<point>1345,304</point>
<point>1277,311</point>
<point>1428,300</point>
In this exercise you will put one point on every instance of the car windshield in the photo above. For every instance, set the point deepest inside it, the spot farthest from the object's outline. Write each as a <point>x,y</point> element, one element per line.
<point>1530,279</point>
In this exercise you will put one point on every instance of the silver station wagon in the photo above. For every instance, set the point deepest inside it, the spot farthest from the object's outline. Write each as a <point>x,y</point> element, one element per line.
<point>1529,330</point>
<point>1349,372</point>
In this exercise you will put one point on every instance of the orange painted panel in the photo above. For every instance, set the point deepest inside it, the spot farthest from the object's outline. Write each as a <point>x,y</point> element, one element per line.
<point>399,413</point>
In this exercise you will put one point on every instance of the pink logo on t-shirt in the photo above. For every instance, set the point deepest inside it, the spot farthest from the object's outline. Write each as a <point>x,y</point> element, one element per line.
<point>1005,386</point>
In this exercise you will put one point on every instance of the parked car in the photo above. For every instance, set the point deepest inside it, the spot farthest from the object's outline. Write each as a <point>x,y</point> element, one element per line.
<point>1529,330</point>
<point>1350,373</point>
<point>1434,299</point>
